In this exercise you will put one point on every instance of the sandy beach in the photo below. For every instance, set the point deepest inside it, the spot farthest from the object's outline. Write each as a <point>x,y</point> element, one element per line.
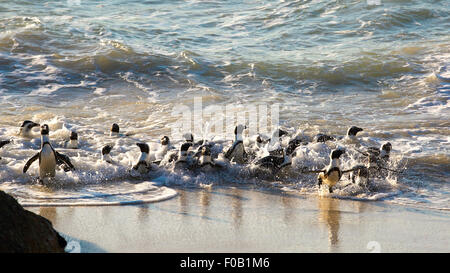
<point>225,219</point>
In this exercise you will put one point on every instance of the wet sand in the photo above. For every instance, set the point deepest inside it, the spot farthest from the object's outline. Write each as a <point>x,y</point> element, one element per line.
<point>247,220</point>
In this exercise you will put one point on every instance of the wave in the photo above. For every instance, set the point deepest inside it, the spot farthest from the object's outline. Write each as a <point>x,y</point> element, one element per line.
<point>112,194</point>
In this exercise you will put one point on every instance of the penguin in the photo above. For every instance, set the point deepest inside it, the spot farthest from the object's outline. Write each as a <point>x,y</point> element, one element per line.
<point>48,157</point>
<point>183,161</point>
<point>376,160</point>
<point>352,132</point>
<point>275,163</point>
<point>260,142</point>
<point>143,166</point>
<point>323,138</point>
<point>362,172</point>
<point>332,174</point>
<point>351,135</point>
<point>205,163</point>
<point>385,151</point>
<point>3,143</point>
<point>190,138</point>
<point>106,154</point>
<point>26,129</point>
<point>275,147</point>
<point>236,153</point>
<point>72,143</point>
<point>115,130</point>
<point>255,148</point>
<point>163,151</point>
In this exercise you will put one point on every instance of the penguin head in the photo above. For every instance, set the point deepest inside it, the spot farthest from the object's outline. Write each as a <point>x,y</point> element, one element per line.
<point>238,130</point>
<point>165,140</point>
<point>387,147</point>
<point>337,153</point>
<point>106,149</point>
<point>185,146</point>
<point>29,124</point>
<point>115,128</point>
<point>206,151</point>
<point>259,139</point>
<point>189,137</point>
<point>144,147</point>
<point>45,130</point>
<point>352,131</point>
<point>73,135</point>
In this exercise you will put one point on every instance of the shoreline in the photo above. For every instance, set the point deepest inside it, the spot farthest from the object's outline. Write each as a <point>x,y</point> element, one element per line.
<point>232,219</point>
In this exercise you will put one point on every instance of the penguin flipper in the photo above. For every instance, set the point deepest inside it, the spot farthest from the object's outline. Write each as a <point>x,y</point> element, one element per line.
<point>29,162</point>
<point>64,159</point>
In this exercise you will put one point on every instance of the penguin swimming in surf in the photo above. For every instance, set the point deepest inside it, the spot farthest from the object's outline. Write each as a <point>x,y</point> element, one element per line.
<point>256,147</point>
<point>352,132</point>
<point>143,166</point>
<point>48,157</point>
<point>275,163</point>
<point>351,135</point>
<point>205,162</point>
<point>236,153</point>
<point>323,138</point>
<point>106,150</point>
<point>26,129</point>
<point>72,143</point>
<point>115,130</point>
<point>183,161</point>
<point>376,161</point>
<point>163,151</point>
<point>332,174</point>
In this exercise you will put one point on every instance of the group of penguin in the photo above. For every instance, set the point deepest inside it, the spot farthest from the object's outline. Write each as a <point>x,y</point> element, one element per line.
<point>201,157</point>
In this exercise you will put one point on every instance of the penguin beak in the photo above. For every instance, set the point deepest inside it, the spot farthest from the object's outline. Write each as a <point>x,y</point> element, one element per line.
<point>34,125</point>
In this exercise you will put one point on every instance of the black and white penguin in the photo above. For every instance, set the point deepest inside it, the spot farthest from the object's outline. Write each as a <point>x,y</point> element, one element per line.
<point>189,137</point>
<point>260,141</point>
<point>183,161</point>
<point>48,157</point>
<point>275,163</point>
<point>3,143</point>
<point>236,153</point>
<point>351,135</point>
<point>376,161</point>
<point>275,148</point>
<point>332,174</point>
<point>323,138</point>
<point>205,162</point>
<point>72,143</point>
<point>352,132</point>
<point>143,166</point>
<point>115,130</point>
<point>161,153</point>
<point>106,150</point>
<point>26,129</point>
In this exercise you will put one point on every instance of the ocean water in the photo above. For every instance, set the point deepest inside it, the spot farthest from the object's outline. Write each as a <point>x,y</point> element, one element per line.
<point>83,65</point>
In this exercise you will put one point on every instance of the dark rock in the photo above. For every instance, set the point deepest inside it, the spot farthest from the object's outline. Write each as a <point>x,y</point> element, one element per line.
<point>22,231</point>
